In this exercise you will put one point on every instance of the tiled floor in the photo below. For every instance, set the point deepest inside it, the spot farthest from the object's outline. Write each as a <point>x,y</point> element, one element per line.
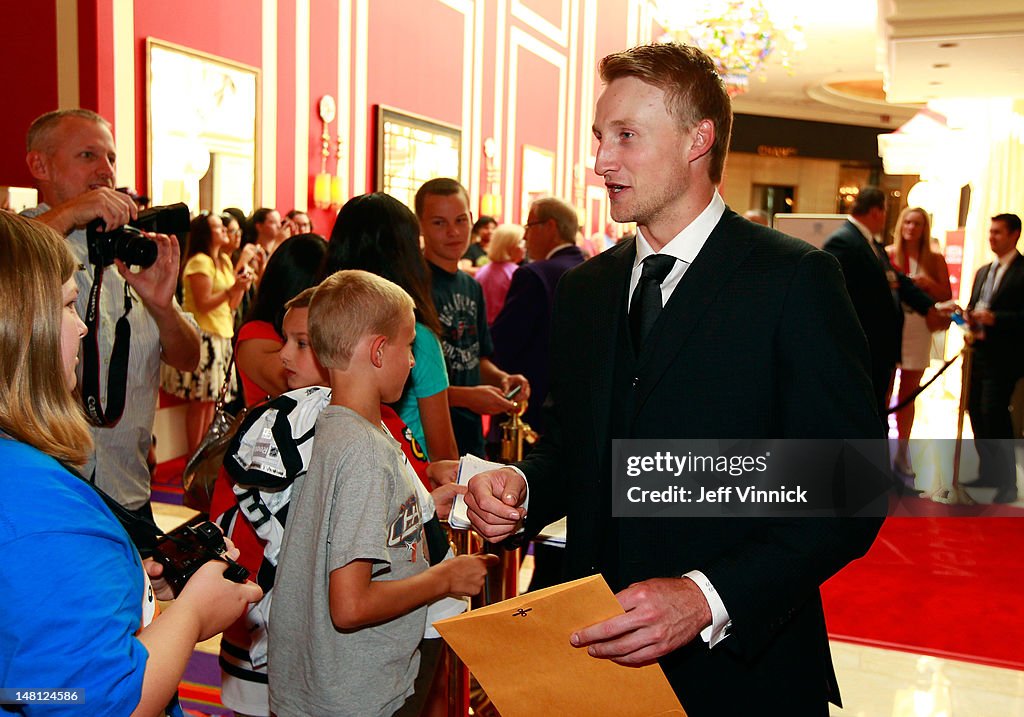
<point>889,683</point>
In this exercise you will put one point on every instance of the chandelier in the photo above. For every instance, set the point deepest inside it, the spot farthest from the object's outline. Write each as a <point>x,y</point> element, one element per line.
<point>739,35</point>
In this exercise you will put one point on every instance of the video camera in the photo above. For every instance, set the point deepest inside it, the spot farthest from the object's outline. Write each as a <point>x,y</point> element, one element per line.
<point>189,547</point>
<point>128,243</point>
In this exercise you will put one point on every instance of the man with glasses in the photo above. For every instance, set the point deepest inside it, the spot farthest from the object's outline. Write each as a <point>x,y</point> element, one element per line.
<point>522,330</point>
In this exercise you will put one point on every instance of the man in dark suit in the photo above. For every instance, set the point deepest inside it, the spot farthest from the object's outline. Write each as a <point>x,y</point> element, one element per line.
<point>522,330</point>
<point>876,289</point>
<point>757,339</point>
<point>996,313</point>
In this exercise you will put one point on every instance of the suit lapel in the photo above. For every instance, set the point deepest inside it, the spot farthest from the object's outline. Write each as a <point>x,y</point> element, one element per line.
<point>696,293</point>
<point>608,306</point>
<point>1009,276</point>
<point>979,284</point>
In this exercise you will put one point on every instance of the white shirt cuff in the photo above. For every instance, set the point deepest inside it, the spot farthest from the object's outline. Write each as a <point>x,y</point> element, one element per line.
<point>720,622</point>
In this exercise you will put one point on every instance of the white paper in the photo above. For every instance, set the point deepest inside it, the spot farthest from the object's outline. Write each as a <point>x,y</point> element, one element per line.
<point>469,466</point>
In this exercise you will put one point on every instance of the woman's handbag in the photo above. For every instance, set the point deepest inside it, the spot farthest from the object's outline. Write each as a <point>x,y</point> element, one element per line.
<point>202,467</point>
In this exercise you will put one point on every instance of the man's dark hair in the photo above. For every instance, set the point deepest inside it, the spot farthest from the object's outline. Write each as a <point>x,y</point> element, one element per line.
<point>482,222</point>
<point>1012,222</point>
<point>260,215</point>
<point>296,212</point>
<point>867,198</point>
<point>39,131</point>
<point>440,186</point>
<point>693,89</point>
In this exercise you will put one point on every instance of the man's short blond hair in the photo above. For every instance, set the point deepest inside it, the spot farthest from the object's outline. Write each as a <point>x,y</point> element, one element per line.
<point>40,132</point>
<point>693,89</point>
<point>350,305</point>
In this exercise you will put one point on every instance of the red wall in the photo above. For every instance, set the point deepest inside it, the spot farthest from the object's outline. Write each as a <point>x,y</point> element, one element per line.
<point>225,28</point>
<point>323,80</point>
<point>414,63</point>
<point>35,88</point>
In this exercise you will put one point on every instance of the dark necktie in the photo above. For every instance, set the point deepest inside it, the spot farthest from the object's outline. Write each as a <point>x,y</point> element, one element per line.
<point>989,287</point>
<point>646,302</point>
<point>890,272</point>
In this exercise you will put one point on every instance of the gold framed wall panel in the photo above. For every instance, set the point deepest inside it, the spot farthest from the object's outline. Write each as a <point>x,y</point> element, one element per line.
<point>520,39</point>
<point>410,149</point>
<point>198,104</point>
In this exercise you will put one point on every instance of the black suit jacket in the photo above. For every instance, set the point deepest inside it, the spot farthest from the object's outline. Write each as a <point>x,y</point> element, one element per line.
<point>865,273</point>
<point>1002,349</point>
<point>522,329</point>
<point>759,340</point>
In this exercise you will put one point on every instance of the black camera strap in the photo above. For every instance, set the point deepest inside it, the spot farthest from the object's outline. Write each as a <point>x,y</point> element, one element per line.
<point>117,373</point>
<point>144,533</point>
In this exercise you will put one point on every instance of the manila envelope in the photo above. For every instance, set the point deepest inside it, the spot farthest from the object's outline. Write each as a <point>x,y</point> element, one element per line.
<point>519,651</point>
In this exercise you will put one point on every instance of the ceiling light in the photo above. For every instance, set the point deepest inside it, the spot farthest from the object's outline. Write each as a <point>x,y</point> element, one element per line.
<point>738,35</point>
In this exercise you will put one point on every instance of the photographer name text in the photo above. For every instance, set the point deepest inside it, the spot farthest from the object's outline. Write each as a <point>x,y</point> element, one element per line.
<point>722,494</point>
<point>668,463</point>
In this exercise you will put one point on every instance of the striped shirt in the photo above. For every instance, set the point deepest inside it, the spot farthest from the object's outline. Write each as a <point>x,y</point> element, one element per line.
<point>118,465</point>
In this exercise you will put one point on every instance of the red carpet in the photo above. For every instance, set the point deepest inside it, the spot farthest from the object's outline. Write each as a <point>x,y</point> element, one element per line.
<point>950,587</point>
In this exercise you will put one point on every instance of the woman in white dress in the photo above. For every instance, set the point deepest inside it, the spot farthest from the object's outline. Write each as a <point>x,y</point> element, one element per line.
<point>912,253</point>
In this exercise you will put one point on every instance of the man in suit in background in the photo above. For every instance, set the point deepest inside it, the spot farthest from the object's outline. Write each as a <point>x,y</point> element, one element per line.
<point>522,330</point>
<point>875,288</point>
<point>996,313</point>
<point>757,339</point>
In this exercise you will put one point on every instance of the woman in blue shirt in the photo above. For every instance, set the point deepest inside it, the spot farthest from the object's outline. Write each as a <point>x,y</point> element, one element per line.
<point>78,604</point>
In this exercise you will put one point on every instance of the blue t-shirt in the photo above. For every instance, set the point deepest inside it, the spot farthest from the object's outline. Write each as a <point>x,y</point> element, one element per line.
<point>427,378</point>
<point>71,589</point>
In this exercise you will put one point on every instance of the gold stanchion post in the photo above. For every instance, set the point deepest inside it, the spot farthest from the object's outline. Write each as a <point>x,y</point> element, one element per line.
<point>502,580</point>
<point>955,495</point>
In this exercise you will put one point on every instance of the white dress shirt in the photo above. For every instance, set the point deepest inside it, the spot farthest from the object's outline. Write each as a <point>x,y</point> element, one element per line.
<point>685,246</point>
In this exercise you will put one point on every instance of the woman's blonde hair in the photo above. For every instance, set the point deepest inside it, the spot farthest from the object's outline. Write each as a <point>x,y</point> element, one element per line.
<point>503,241</point>
<point>925,255</point>
<point>36,406</point>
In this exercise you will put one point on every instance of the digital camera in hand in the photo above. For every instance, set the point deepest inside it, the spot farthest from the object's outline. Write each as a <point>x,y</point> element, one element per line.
<point>128,243</point>
<point>190,546</point>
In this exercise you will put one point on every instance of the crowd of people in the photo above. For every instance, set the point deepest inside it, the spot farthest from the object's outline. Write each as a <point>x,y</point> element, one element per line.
<point>369,360</point>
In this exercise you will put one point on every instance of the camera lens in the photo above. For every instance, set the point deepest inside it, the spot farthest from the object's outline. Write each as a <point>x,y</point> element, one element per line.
<point>135,250</point>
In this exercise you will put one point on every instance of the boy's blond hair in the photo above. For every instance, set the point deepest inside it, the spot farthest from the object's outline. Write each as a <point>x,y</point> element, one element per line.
<point>349,305</point>
<point>301,300</point>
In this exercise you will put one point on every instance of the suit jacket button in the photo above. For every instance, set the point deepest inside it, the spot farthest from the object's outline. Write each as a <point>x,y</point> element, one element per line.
<point>636,380</point>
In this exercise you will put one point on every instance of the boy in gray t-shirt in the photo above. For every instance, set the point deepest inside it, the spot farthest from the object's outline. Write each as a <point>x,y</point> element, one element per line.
<point>353,581</point>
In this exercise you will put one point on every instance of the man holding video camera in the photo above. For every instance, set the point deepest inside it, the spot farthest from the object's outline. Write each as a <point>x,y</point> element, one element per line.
<point>72,157</point>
